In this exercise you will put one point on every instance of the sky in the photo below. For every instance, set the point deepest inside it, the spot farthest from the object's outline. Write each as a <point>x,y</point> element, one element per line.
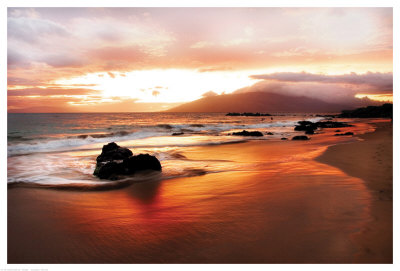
<point>152,59</point>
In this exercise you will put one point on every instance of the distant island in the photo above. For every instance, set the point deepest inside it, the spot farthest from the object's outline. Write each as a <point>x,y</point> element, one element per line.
<point>383,111</point>
<point>260,102</point>
<point>247,114</point>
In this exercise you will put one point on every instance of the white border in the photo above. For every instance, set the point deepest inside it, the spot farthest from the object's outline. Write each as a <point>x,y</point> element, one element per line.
<point>194,3</point>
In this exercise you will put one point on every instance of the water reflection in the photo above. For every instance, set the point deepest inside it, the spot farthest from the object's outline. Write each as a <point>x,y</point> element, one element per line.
<point>146,192</point>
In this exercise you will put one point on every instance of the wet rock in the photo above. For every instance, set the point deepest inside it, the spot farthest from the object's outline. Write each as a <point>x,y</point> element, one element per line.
<point>310,127</point>
<point>248,114</point>
<point>332,124</point>
<point>112,151</point>
<point>247,133</point>
<point>109,170</point>
<point>309,132</point>
<point>345,134</point>
<point>300,138</point>
<point>306,126</point>
<point>140,162</point>
<point>115,161</point>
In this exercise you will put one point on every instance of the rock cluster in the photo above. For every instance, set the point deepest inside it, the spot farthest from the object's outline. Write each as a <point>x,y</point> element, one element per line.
<point>309,127</point>
<point>247,114</point>
<point>345,134</point>
<point>300,138</point>
<point>247,133</point>
<point>115,161</point>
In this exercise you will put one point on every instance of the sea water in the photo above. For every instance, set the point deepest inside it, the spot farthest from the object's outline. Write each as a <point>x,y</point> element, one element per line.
<point>61,148</point>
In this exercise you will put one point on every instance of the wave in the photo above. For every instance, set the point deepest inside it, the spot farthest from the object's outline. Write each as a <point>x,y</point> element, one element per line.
<point>99,185</point>
<point>95,185</point>
<point>91,141</point>
<point>74,142</point>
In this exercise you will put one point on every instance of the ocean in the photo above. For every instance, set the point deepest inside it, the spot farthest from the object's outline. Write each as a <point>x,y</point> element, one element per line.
<point>219,198</point>
<point>60,149</point>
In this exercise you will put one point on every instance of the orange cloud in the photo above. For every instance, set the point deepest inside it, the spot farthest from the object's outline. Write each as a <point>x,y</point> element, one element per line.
<point>48,44</point>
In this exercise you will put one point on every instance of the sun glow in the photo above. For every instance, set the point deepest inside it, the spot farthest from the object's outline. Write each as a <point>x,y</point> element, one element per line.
<point>160,85</point>
<point>376,97</point>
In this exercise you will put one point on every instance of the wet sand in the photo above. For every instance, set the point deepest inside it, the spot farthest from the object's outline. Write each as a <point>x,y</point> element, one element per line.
<point>372,161</point>
<point>280,205</point>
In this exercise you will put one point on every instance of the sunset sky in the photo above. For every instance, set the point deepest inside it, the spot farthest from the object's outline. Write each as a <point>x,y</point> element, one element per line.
<point>151,59</point>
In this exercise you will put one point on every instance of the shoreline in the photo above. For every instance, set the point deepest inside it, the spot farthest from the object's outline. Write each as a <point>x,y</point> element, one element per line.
<point>281,205</point>
<point>374,156</point>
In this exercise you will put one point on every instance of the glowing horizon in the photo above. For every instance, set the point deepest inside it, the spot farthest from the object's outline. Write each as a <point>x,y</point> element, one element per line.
<point>150,59</point>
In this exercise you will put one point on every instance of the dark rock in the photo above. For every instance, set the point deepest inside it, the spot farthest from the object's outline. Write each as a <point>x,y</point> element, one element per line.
<point>112,151</point>
<point>309,127</point>
<point>345,134</point>
<point>115,161</point>
<point>300,138</point>
<point>177,134</point>
<point>310,131</point>
<point>383,111</point>
<point>141,162</point>
<point>283,138</point>
<point>248,114</point>
<point>109,170</point>
<point>247,133</point>
<point>332,124</point>
<point>269,133</point>
<point>337,131</point>
<point>306,126</point>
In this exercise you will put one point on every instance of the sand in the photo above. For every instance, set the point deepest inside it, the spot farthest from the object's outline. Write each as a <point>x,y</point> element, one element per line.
<point>372,161</point>
<point>281,205</point>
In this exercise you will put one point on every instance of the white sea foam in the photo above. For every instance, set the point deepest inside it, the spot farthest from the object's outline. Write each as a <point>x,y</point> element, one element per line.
<point>76,143</point>
<point>52,161</point>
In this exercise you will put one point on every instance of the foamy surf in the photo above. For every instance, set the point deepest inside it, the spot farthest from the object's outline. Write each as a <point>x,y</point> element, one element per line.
<point>77,142</point>
<point>62,153</point>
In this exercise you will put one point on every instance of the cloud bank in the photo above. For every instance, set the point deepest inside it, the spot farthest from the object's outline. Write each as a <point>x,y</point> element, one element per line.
<point>330,88</point>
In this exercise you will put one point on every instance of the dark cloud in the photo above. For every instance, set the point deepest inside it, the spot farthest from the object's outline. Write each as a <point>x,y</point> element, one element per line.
<point>377,79</point>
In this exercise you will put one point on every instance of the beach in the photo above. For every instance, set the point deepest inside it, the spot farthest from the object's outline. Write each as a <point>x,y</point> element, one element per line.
<point>374,165</point>
<point>326,200</point>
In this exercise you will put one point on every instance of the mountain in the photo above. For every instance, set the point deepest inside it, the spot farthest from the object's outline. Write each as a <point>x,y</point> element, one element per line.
<point>258,102</point>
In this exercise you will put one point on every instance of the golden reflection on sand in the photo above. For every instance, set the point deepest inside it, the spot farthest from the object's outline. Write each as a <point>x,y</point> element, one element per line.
<point>273,203</point>
<point>295,205</point>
